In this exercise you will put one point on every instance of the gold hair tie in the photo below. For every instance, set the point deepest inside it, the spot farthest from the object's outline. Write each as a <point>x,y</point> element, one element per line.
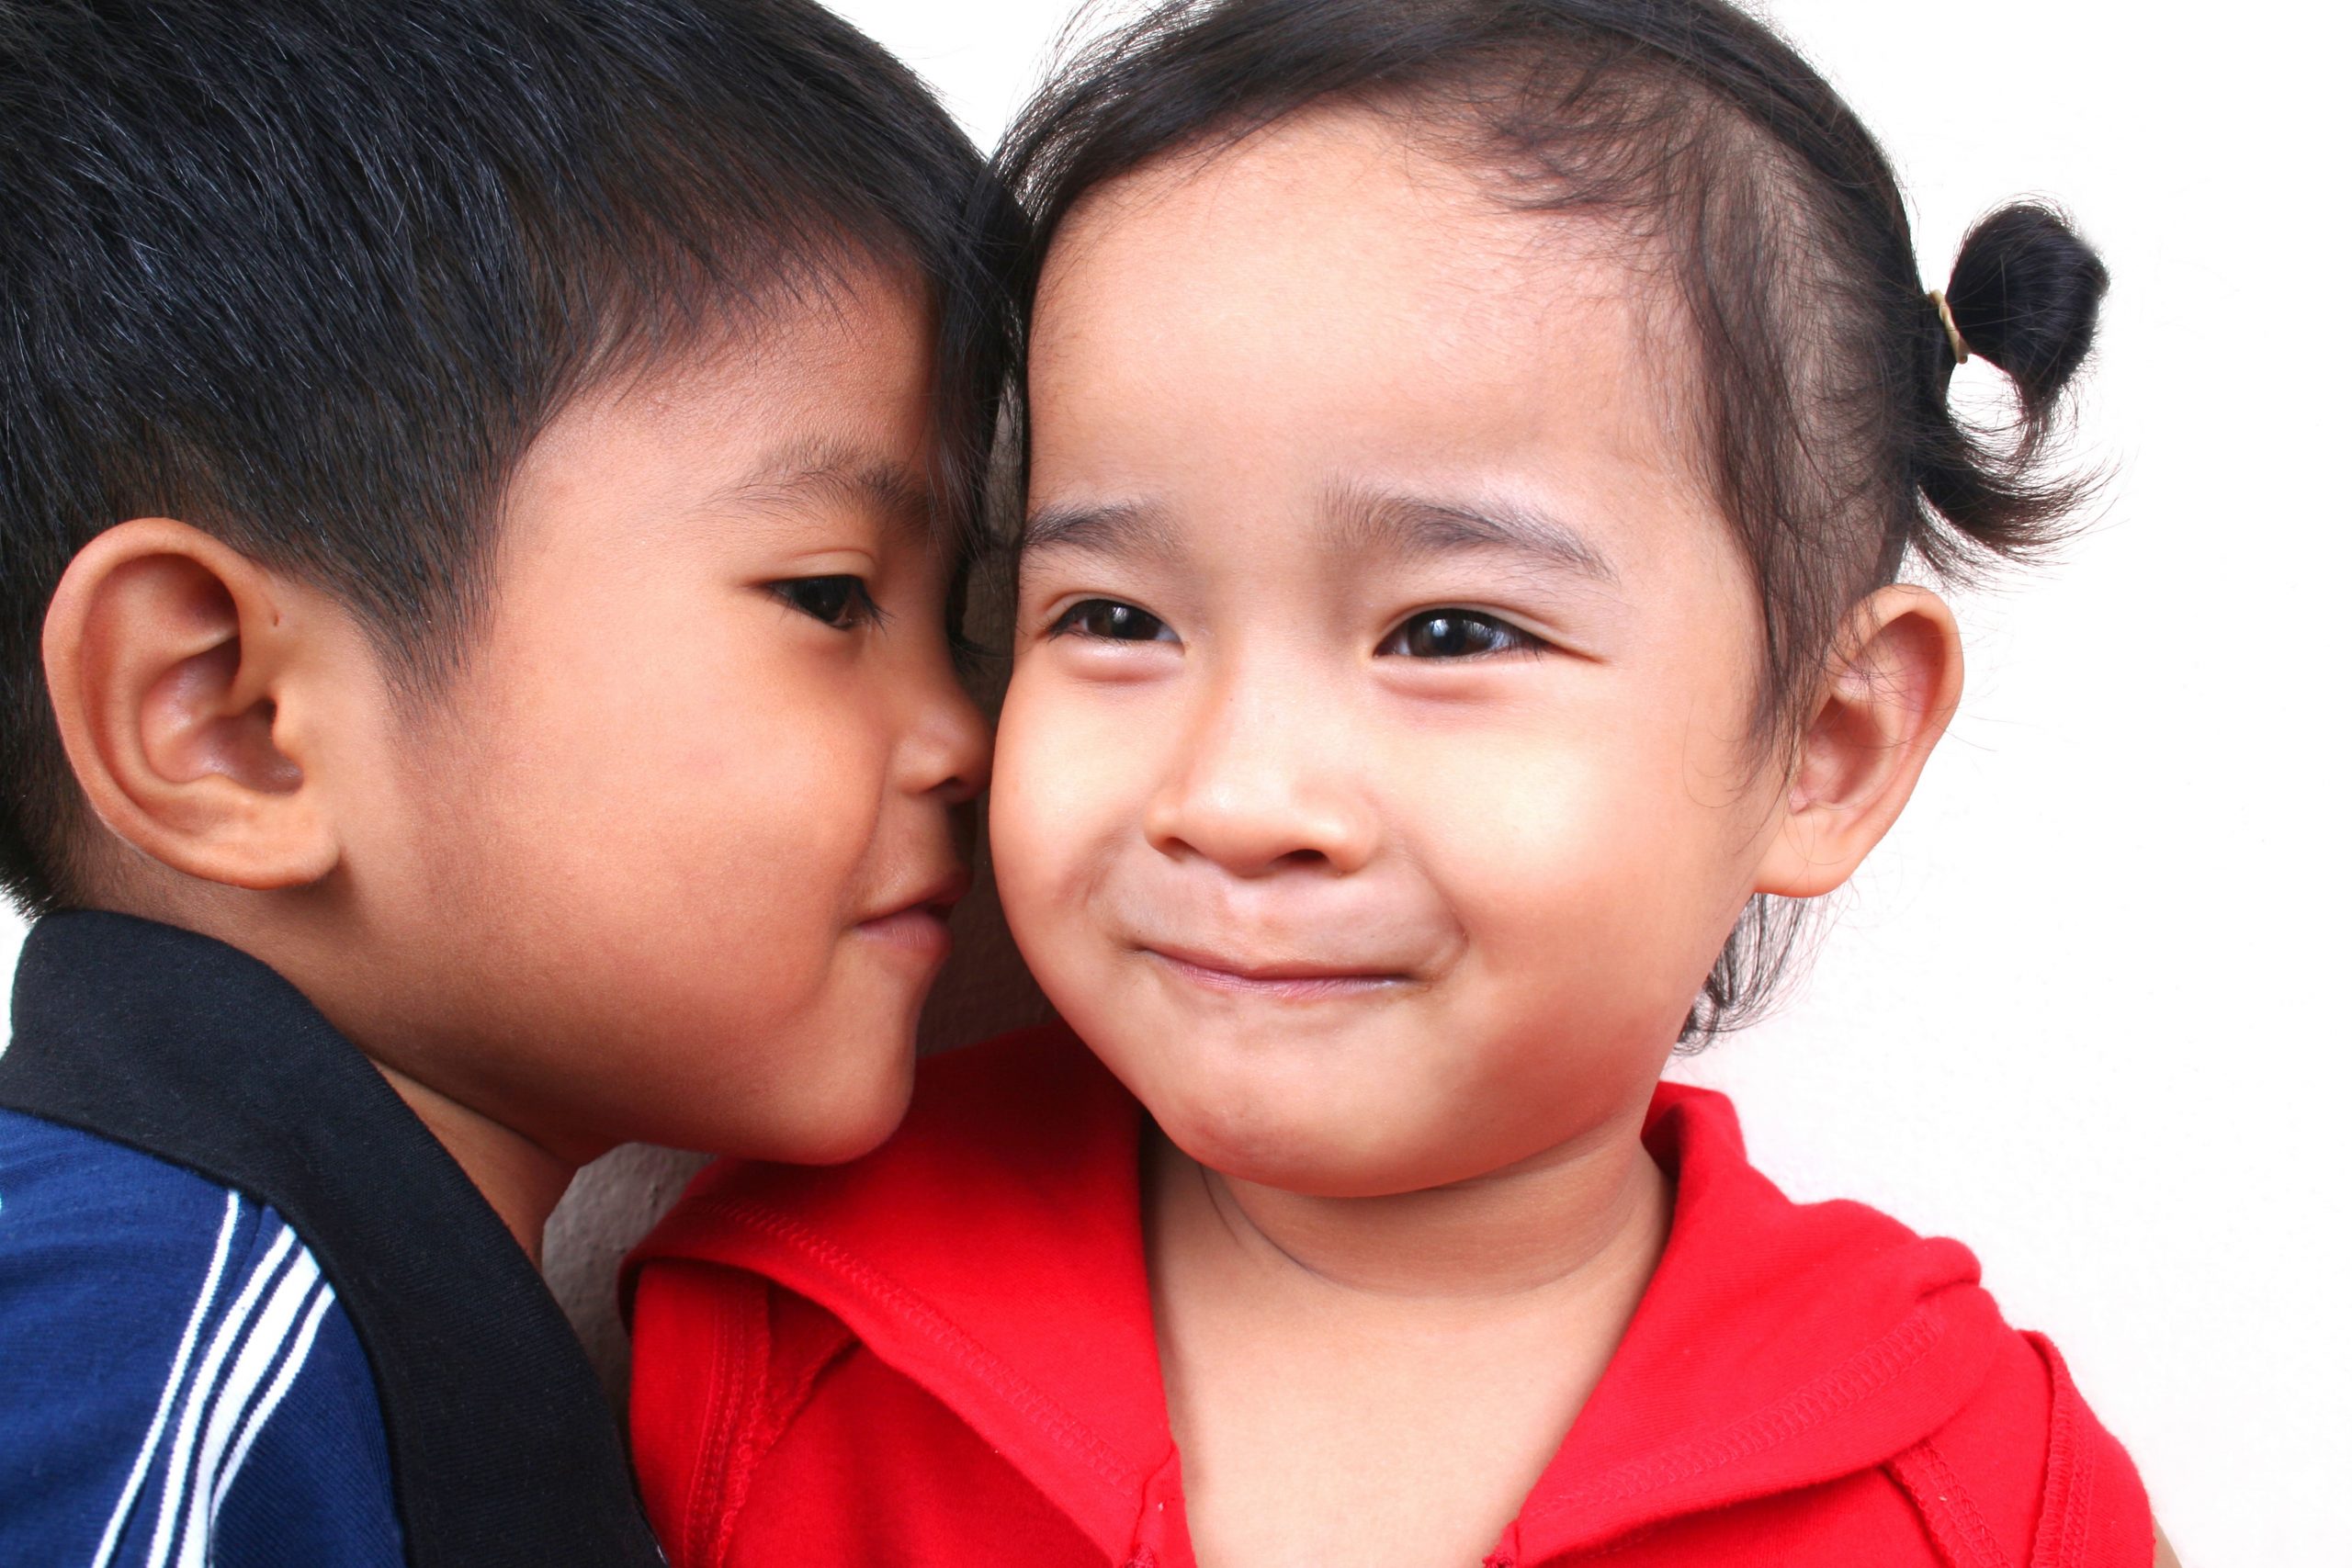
<point>1951,328</point>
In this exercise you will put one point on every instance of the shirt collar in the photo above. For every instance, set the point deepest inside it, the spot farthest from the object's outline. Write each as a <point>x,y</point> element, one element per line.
<point>502,1449</point>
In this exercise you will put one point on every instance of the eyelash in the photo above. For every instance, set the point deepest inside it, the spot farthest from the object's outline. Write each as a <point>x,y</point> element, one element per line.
<point>1072,622</point>
<point>839,601</point>
<point>1501,636</point>
<point>1451,623</point>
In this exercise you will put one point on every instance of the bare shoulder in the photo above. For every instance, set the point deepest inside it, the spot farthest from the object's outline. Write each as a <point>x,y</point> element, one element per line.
<point>2164,1555</point>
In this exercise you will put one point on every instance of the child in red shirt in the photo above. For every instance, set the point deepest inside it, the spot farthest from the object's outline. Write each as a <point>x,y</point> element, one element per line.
<point>1471,448</point>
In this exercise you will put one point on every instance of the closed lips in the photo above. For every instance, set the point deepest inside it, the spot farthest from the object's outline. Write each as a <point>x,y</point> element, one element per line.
<point>937,898</point>
<point>1286,977</point>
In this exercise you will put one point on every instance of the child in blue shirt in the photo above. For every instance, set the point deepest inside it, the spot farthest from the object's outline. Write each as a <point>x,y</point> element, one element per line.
<point>481,485</point>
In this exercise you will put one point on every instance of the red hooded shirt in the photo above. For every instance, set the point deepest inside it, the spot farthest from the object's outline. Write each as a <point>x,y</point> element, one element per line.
<point>943,1354</point>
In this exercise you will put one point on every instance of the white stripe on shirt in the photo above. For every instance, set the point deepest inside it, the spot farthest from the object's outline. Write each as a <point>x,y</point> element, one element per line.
<point>171,1386</point>
<point>278,1323</point>
<point>284,1380</point>
<point>200,1394</point>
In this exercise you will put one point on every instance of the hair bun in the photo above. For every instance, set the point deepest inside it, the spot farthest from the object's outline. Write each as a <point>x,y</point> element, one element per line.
<point>2025,294</point>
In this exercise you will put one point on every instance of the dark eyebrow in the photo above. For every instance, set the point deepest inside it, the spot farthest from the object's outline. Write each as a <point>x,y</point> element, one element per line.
<point>1113,528</point>
<point>1401,523</point>
<point>842,470</point>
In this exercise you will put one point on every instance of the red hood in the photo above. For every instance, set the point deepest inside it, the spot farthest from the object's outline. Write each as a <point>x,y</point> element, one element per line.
<point>994,1254</point>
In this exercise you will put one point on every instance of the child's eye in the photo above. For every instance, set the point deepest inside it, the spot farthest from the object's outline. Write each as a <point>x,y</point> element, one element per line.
<point>1111,620</point>
<point>843,600</point>
<point>1455,634</point>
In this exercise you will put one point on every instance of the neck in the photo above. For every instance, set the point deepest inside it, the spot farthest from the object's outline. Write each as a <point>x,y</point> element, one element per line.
<point>1584,1222</point>
<point>522,1180</point>
<point>305,937</point>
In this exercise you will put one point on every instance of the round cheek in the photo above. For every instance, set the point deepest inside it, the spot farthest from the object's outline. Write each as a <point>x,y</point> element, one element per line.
<point>1068,787</point>
<point>705,816</point>
<point>608,869</point>
<point>1073,777</point>
<point>1592,870</point>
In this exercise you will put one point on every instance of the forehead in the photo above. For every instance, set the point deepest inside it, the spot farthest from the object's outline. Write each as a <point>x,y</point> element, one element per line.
<point>1330,287</point>
<point>864,336</point>
<point>812,384</point>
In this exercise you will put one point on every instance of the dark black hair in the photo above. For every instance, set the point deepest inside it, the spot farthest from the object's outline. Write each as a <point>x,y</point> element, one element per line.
<point>1822,363</point>
<point>311,274</point>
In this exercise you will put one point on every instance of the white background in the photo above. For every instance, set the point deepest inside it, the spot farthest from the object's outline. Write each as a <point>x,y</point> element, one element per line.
<point>2085,1010</point>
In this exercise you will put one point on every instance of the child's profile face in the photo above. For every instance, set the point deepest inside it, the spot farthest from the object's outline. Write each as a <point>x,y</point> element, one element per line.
<point>1375,787</point>
<point>668,860</point>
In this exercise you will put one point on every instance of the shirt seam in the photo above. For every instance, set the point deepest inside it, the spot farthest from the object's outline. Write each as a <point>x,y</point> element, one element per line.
<point>1856,1378</point>
<point>1066,1430</point>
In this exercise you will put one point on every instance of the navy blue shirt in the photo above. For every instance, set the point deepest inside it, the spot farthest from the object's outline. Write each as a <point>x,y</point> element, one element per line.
<point>177,1381</point>
<point>251,1314</point>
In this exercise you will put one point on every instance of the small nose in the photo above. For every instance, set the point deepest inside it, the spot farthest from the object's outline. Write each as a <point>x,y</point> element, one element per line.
<point>948,745</point>
<point>1262,782</point>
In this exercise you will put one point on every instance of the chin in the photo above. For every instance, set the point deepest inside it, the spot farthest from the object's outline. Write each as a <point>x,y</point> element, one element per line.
<point>1332,1169</point>
<point>851,1131</point>
<point>1317,1151</point>
<point>1332,1114</point>
<point>832,1114</point>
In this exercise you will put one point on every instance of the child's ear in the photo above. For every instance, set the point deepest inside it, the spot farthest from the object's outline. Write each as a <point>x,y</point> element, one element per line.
<point>1893,682</point>
<point>174,665</point>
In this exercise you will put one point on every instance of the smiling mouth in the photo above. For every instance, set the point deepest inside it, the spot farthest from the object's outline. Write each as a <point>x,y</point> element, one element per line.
<point>1279,982</point>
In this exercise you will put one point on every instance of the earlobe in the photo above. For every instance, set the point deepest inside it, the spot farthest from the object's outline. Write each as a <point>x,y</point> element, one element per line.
<point>168,656</point>
<point>1894,681</point>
